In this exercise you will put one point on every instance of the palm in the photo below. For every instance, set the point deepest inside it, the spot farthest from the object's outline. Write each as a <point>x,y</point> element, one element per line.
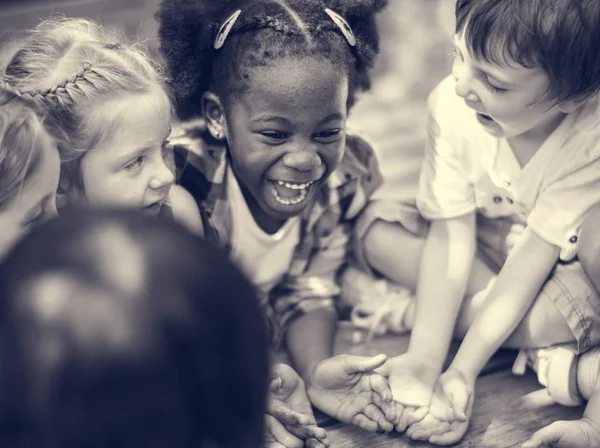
<point>346,391</point>
<point>411,380</point>
<point>446,422</point>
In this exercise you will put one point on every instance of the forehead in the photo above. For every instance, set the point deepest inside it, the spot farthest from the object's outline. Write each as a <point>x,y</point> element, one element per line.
<point>505,66</point>
<point>294,84</point>
<point>133,120</point>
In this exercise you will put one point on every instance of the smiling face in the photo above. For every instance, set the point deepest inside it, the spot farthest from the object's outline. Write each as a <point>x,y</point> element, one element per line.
<point>129,167</point>
<point>509,100</point>
<point>286,135</point>
<point>35,202</point>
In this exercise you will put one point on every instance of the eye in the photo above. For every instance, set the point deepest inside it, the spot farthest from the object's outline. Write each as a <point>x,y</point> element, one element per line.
<point>135,164</point>
<point>492,88</point>
<point>275,136</point>
<point>329,136</point>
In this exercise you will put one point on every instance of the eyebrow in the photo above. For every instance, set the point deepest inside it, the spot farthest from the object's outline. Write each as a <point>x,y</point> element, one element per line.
<point>332,117</point>
<point>285,121</point>
<point>271,119</point>
<point>134,154</point>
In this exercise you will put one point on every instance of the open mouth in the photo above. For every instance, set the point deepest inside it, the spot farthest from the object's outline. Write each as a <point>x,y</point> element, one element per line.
<point>290,193</point>
<point>153,208</point>
<point>484,118</point>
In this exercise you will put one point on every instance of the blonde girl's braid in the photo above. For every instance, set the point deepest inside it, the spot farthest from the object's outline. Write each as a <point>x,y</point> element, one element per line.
<point>64,88</point>
<point>70,69</point>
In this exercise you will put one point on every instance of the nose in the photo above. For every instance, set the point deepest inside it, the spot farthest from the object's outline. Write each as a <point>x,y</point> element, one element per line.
<point>302,160</point>
<point>163,176</point>
<point>464,82</point>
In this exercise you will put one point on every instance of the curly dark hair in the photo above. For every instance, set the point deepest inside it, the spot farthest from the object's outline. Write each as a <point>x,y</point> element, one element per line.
<point>266,30</point>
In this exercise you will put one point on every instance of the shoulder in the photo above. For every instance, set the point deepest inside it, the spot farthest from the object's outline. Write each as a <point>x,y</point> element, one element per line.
<point>185,210</point>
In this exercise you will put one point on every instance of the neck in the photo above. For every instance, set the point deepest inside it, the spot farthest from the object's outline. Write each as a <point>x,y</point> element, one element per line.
<point>267,223</point>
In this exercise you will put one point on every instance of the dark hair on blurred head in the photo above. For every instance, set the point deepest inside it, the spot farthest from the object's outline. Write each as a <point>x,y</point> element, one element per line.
<point>559,36</point>
<point>266,30</point>
<point>122,331</point>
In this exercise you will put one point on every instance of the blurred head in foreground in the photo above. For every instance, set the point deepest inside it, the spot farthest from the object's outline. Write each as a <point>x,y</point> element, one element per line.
<point>119,331</point>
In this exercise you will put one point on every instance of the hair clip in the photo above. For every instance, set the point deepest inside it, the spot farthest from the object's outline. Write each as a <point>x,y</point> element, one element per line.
<point>225,29</point>
<point>343,26</point>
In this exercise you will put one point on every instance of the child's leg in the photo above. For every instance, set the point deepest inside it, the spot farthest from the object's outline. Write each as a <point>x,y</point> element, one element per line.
<point>588,248</point>
<point>395,253</point>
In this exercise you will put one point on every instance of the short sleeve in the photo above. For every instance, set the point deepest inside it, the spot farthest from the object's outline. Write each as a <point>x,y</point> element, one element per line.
<point>562,206</point>
<point>446,189</point>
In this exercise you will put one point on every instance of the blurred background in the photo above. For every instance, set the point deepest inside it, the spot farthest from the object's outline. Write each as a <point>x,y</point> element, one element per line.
<point>415,56</point>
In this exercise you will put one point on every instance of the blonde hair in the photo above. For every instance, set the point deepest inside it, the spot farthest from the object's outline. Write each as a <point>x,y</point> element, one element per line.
<point>71,67</point>
<point>22,141</point>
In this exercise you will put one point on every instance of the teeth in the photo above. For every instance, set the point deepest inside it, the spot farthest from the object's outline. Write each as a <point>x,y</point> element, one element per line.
<point>289,201</point>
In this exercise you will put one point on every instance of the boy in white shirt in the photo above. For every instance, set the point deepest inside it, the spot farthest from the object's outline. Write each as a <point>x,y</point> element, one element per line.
<point>512,167</point>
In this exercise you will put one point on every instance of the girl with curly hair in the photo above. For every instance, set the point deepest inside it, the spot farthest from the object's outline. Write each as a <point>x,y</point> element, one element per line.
<point>264,88</point>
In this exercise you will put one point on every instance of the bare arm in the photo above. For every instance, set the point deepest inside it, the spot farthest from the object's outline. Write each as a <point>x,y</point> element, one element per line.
<point>515,289</point>
<point>444,272</point>
<point>310,340</point>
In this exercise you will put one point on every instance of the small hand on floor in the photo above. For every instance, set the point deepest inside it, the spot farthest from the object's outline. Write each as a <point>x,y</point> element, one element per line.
<point>349,389</point>
<point>581,433</point>
<point>290,422</point>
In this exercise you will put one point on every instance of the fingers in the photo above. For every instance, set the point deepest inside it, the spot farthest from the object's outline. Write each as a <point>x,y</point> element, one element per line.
<point>459,396</point>
<point>375,414</point>
<point>307,432</point>
<point>452,436</point>
<point>365,423</point>
<point>314,443</point>
<point>546,436</point>
<point>276,432</point>
<point>285,415</point>
<point>381,386</point>
<point>426,428</point>
<point>358,364</point>
<point>407,417</point>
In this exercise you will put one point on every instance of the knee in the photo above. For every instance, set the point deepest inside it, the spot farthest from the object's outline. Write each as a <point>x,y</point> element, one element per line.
<point>542,326</point>
<point>588,248</point>
<point>376,242</point>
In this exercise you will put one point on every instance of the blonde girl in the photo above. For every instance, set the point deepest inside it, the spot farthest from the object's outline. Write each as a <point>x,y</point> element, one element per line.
<point>105,100</point>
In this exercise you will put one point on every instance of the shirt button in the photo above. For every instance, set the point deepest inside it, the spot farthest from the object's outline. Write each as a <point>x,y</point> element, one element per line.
<point>509,200</point>
<point>497,199</point>
<point>573,239</point>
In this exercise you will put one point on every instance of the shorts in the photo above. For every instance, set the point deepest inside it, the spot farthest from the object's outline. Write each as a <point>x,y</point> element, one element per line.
<point>568,287</point>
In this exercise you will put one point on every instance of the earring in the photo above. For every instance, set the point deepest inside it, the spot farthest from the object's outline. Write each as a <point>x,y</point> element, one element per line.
<point>217,135</point>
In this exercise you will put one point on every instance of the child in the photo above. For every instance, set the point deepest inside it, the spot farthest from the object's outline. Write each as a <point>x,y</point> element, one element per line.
<point>108,105</point>
<point>277,180</point>
<point>511,170</point>
<point>29,169</point>
<point>122,331</point>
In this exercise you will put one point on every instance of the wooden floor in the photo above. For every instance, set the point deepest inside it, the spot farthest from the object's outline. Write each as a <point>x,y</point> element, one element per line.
<point>507,410</point>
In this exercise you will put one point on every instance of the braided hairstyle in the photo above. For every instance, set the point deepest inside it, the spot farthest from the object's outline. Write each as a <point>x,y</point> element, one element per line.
<point>22,140</point>
<point>70,69</point>
<point>265,31</point>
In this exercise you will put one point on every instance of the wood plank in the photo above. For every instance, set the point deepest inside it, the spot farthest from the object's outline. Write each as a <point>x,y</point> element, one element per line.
<point>507,410</point>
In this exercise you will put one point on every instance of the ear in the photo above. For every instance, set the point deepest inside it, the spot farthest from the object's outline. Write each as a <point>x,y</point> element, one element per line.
<point>214,114</point>
<point>569,106</point>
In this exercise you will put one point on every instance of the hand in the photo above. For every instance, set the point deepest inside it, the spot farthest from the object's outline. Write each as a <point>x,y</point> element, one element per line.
<point>412,382</point>
<point>573,434</point>
<point>346,388</point>
<point>290,421</point>
<point>448,415</point>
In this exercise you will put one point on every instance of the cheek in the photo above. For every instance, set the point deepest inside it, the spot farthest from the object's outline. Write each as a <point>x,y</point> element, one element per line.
<point>332,155</point>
